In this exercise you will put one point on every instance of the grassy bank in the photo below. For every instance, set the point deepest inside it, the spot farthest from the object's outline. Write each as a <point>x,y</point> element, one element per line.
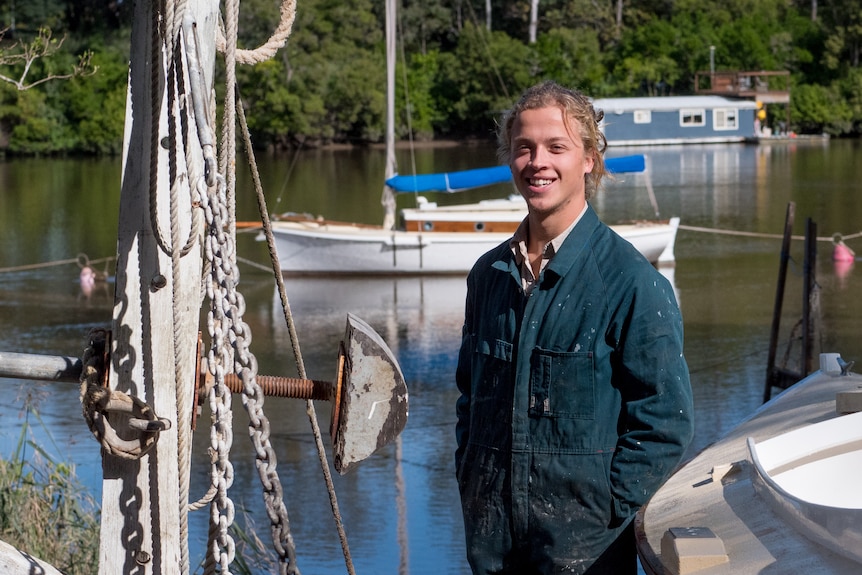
<point>44,510</point>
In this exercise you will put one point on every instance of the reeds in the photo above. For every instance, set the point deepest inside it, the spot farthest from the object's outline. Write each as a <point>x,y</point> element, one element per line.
<point>44,510</point>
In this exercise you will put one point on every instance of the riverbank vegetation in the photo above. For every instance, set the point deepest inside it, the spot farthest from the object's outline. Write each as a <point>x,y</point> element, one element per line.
<point>44,509</point>
<point>460,65</point>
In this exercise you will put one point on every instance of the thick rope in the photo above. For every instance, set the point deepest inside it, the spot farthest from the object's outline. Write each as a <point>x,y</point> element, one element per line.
<point>166,27</point>
<point>294,338</point>
<point>228,167</point>
<point>158,46</point>
<point>98,401</point>
<point>269,48</point>
<point>81,260</point>
<point>183,373</point>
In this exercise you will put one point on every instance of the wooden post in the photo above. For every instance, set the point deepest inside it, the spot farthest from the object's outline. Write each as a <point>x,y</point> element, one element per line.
<point>809,291</point>
<point>157,301</point>
<point>772,375</point>
<point>781,377</point>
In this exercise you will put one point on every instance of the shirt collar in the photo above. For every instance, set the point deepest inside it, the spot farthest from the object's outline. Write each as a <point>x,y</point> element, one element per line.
<point>518,245</point>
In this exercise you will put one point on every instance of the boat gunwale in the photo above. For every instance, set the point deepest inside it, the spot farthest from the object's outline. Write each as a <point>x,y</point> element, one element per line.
<point>799,512</point>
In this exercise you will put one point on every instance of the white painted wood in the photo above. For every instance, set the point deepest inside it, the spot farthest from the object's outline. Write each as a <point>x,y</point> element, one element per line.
<point>819,463</point>
<point>140,502</point>
<point>810,478</point>
<point>16,562</point>
<point>717,489</point>
<point>314,247</point>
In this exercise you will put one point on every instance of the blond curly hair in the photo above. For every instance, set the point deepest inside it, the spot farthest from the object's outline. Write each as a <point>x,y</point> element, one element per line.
<point>579,112</point>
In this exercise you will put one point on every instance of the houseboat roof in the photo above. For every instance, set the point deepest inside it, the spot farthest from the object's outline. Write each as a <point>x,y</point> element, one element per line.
<point>667,103</point>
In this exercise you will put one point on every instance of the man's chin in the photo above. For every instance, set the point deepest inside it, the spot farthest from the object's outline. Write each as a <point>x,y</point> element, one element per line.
<point>540,205</point>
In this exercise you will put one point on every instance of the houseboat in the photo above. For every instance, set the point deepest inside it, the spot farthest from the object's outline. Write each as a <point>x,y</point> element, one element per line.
<point>677,120</point>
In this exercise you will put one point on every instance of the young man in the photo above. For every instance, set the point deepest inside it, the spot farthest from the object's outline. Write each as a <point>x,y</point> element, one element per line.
<point>575,397</point>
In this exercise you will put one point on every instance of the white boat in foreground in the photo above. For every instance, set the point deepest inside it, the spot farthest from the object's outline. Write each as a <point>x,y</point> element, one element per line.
<point>778,494</point>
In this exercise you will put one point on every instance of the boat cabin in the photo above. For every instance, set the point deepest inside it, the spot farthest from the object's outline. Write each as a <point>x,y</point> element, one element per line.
<point>677,120</point>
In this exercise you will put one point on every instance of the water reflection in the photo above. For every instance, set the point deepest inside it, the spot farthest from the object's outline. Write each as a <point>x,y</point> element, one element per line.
<point>397,497</point>
<point>401,508</point>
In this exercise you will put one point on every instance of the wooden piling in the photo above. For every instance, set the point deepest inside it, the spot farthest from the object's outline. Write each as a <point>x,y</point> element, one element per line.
<point>157,299</point>
<point>781,377</point>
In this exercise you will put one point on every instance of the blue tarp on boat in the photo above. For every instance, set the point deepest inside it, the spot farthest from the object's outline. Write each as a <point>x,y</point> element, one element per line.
<point>467,179</point>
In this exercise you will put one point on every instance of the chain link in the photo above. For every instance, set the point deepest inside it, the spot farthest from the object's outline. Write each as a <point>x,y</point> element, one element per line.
<point>230,341</point>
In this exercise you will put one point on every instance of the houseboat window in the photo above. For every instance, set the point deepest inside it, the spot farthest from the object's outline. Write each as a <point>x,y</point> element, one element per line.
<point>643,116</point>
<point>725,119</point>
<point>691,118</point>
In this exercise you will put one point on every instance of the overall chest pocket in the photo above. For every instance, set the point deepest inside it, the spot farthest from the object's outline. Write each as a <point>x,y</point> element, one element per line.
<point>562,384</point>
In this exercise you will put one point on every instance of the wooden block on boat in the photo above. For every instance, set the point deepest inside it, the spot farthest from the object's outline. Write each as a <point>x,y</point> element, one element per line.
<point>848,401</point>
<point>689,549</point>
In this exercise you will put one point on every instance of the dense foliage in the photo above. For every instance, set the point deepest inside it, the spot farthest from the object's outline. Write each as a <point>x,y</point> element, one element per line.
<point>459,66</point>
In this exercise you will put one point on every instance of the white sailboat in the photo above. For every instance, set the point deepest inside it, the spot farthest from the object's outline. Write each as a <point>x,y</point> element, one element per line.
<point>432,239</point>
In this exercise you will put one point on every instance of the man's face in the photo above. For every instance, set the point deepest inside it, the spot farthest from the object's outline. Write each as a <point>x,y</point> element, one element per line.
<point>548,163</point>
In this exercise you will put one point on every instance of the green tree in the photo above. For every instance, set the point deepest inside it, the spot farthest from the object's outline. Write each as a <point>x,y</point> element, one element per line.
<point>335,55</point>
<point>850,91</point>
<point>481,77</point>
<point>425,25</point>
<point>572,58</point>
<point>418,108</point>
<point>33,127</point>
<point>645,62</point>
<point>843,19</point>
<point>816,109</point>
<point>30,121</point>
<point>96,105</point>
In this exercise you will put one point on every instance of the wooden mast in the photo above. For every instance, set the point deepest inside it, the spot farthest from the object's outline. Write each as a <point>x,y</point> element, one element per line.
<point>158,297</point>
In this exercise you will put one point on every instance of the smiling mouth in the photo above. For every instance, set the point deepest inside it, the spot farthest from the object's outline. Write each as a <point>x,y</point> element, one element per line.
<point>539,182</point>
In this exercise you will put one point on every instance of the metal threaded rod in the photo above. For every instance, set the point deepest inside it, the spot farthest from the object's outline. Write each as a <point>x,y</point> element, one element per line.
<point>68,369</point>
<point>275,386</point>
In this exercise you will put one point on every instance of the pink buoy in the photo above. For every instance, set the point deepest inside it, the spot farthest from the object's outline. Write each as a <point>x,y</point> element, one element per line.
<point>87,279</point>
<point>842,253</point>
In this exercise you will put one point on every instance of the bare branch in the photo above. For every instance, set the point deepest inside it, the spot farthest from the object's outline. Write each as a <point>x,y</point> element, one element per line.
<point>21,55</point>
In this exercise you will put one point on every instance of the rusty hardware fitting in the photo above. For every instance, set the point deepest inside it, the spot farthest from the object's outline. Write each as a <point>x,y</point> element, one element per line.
<point>270,385</point>
<point>276,386</point>
<point>124,425</point>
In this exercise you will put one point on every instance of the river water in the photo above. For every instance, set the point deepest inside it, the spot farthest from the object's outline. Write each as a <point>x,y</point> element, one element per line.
<point>400,507</point>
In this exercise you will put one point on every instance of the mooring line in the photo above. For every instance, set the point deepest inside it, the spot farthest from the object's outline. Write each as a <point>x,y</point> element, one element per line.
<point>762,235</point>
<point>76,260</point>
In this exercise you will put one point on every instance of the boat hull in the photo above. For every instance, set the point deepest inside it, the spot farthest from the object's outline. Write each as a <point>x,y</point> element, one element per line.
<point>720,489</point>
<point>317,247</point>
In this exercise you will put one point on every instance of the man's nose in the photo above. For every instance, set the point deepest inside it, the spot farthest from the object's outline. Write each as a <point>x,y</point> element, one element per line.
<point>539,158</point>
